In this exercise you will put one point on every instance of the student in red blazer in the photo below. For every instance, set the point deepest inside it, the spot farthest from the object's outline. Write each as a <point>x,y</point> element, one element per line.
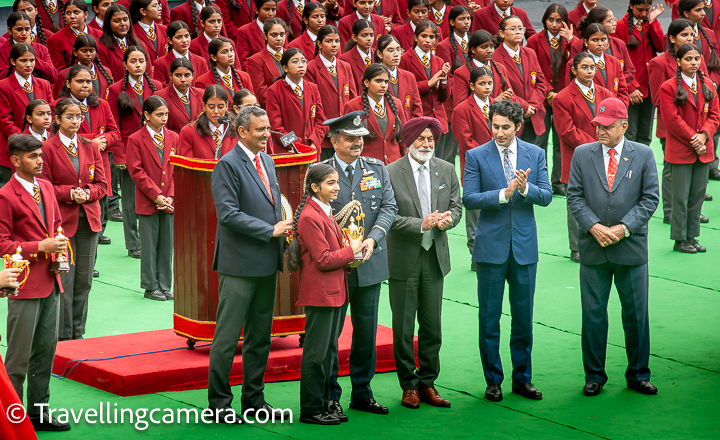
<point>117,37</point>
<point>237,14</point>
<point>581,10</point>
<point>529,86</point>
<point>20,31</point>
<point>74,166</point>
<point>50,15</point>
<point>184,101</point>
<point>182,13</point>
<point>201,138</point>
<point>439,14</point>
<point>85,53</point>
<point>388,10</point>
<point>148,162</point>
<point>704,38</point>
<point>403,85</point>
<point>61,44</point>
<point>223,70</point>
<point>32,314</point>
<point>178,37</point>
<point>318,255</point>
<point>39,33</point>
<point>359,52</point>
<point>14,99</point>
<point>99,7</point>
<point>417,11</point>
<point>250,37</point>
<point>384,113</point>
<point>292,16</point>
<point>163,18</point>
<point>363,12</point>
<point>210,28</point>
<point>489,18</point>
<point>294,104</point>
<point>264,67</point>
<point>336,88</point>
<point>38,118</point>
<point>313,18</point>
<point>145,15</point>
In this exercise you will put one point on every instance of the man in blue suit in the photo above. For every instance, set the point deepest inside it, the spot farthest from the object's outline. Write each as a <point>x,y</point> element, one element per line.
<point>248,255</point>
<point>504,179</point>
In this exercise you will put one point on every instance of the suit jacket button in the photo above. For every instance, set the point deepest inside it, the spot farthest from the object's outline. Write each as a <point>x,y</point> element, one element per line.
<point>608,208</point>
<point>508,226</point>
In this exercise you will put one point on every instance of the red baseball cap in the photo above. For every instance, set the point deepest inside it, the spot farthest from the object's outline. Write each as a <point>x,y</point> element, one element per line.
<point>609,111</point>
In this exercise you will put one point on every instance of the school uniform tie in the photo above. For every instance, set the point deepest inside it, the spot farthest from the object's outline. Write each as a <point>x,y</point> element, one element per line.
<point>693,87</point>
<point>516,57</point>
<point>367,61</point>
<point>277,56</point>
<point>554,43</point>
<point>508,166</point>
<point>438,17</point>
<point>138,88</point>
<point>505,14</point>
<point>379,110</point>
<point>151,33</point>
<point>28,87</point>
<point>184,99</point>
<point>123,46</point>
<point>612,168</point>
<point>424,205</point>
<point>425,61</point>
<point>300,7</point>
<point>52,6</point>
<point>36,193</point>
<point>485,111</point>
<point>263,177</point>
<point>218,141</point>
<point>463,45</point>
<point>600,65</point>
<point>158,141</point>
<point>71,149</point>
<point>227,79</point>
<point>332,70</point>
<point>298,92</point>
<point>32,38</point>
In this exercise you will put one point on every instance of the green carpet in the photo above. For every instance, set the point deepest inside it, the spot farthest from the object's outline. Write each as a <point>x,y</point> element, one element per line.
<point>685,355</point>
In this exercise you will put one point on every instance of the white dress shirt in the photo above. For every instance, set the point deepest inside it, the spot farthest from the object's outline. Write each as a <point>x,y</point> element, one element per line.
<point>66,141</point>
<point>586,89</point>
<point>22,80</point>
<point>690,81</point>
<point>512,52</point>
<point>132,81</point>
<point>178,55</point>
<point>327,63</point>
<point>372,102</point>
<point>27,185</point>
<point>213,128</point>
<point>513,147</point>
<point>39,136</point>
<point>293,85</point>
<point>364,55</point>
<point>153,132</point>
<point>618,153</point>
<point>327,209</point>
<point>415,165</point>
<point>500,12</point>
<point>252,155</point>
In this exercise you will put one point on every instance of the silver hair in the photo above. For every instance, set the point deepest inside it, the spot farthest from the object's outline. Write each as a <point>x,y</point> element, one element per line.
<point>244,116</point>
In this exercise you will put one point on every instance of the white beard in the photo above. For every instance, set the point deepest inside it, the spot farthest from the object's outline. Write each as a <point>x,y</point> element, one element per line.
<point>420,156</point>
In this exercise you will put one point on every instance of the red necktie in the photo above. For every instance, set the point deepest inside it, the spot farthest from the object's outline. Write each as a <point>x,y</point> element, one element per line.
<point>264,179</point>
<point>612,168</point>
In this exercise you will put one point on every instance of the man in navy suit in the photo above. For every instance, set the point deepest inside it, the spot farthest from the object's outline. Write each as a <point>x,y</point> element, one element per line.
<point>504,179</point>
<point>248,254</point>
<point>612,192</point>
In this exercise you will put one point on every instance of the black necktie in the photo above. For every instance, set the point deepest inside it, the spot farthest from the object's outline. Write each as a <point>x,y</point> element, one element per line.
<point>350,176</point>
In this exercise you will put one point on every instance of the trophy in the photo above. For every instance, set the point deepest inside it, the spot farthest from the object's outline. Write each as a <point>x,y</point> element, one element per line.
<point>60,264</point>
<point>352,212</point>
<point>16,261</point>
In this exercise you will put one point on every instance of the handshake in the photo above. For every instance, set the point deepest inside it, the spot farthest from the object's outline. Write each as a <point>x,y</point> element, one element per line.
<point>442,220</point>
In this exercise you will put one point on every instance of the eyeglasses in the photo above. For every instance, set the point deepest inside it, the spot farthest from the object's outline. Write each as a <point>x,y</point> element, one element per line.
<point>611,20</point>
<point>300,62</point>
<point>515,29</point>
<point>394,51</point>
<point>74,117</point>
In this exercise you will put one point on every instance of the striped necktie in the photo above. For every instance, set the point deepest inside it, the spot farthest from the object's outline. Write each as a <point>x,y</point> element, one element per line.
<point>638,25</point>
<point>600,64</point>
<point>71,149</point>
<point>505,15</point>
<point>184,99</point>
<point>298,92</point>
<point>28,86</point>
<point>425,61</point>
<point>216,137</point>
<point>438,17</point>
<point>227,79</point>
<point>332,70</point>
<point>151,33</point>
<point>485,111</point>
<point>138,88</point>
<point>93,75</point>
<point>393,79</point>
<point>83,107</point>
<point>463,45</point>
<point>158,141</point>
<point>379,110</point>
<point>277,56</point>
<point>300,7</point>
<point>590,95</point>
<point>516,57</point>
<point>555,43</point>
<point>36,193</point>
<point>367,61</point>
<point>52,7</point>
<point>693,88</point>
<point>32,37</point>
<point>123,46</point>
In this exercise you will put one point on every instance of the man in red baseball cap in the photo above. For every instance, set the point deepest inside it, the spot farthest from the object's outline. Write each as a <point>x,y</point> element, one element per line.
<point>612,193</point>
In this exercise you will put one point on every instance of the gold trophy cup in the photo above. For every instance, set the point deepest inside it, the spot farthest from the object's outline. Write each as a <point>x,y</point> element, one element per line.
<point>16,261</point>
<point>352,230</point>
<point>61,264</point>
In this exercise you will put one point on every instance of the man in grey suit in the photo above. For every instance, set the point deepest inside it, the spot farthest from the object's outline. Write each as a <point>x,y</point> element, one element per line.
<point>248,254</point>
<point>613,192</point>
<point>427,194</point>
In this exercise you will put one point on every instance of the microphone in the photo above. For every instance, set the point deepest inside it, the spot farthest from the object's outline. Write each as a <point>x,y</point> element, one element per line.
<point>287,139</point>
<point>223,120</point>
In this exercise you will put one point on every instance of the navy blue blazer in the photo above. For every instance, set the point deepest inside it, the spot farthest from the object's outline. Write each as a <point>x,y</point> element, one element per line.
<point>514,222</point>
<point>244,245</point>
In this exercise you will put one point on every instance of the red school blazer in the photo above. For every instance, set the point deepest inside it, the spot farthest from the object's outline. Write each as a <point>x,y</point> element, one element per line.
<point>234,18</point>
<point>263,70</point>
<point>61,44</point>
<point>160,40</point>
<point>574,17</point>
<point>539,43</point>
<point>62,76</point>
<point>44,67</point>
<point>181,12</point>
<point>306,44</point>
<point>461,82</point>
<point>615,78</point>
<point>530,91</point>
<point>388,9</point>
<point>297,21</point>
<point>408,94</point>
<point>191,144</point>
<point>488,19</point>
<point>709,22</point>
<point>200,45</point>
<point>357,66</point>
<point>404,35</point>
<point>164,16</point>
<point>58,170</point>
<point>161,67</point>
<point>13,101</point>
<point>619,50</point>
<point>250,41</point>
<point>322,275</point>
<point>112,59</point>
<point>470,127</point>
<point>444,50</point>
<point>178,117</point>
<point>431,99</point>
<point>345,27</point>
<point>152,176</point>
<point>208,79</point>
<point>573,121</point>
<point>644,53</point>
<point>383,148</point>
<point>284,109</point>
<point>687,120</point>
<point>443,24</point>
<point>22,226</point>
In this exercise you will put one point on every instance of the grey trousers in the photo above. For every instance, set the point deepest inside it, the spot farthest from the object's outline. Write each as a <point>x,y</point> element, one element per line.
<point>156,239</point>
<point>419,295</point>
<point>32,326</point>
<point>666,187</point>
<point>130,226</point>
<point>322,330</point>
<point>572,228</point>
<point>557,155</point>
<point>450,150</point>
<point>640,121</point>
<point>689,182</point>
<point>471,218</point>
<point>78,282</point>
<point>114,200</point>
<point>248,301</point>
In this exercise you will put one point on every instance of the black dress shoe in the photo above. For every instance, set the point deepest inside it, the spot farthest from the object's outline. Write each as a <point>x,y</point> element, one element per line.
<point>698,247</point>
<point>704,219</point>
<point>526,390</point>
<point>154,295</point>
<point>643,387</point>
<point>336,410</point>
<point>115,215</point>
<point>592,389</point>
<point>714,174</point>
<point>228,416</point>
<point>319,419</point>
<point>137,254</point>
<point>666,220</point>
<point>472,266</point>
<point>685,247</point>
<point>170,297</point>
<point>48,424</point>
<point>575,256</point>
<point>369,405</point>
<point>494,393</point>
<point>104,239</point>
<point>95,273</point>
<point>560,191</point>
<point>708,197</point>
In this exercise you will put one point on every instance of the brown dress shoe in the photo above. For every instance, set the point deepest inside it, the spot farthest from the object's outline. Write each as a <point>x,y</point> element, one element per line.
<point>410,399</point>
<point>431,396</point>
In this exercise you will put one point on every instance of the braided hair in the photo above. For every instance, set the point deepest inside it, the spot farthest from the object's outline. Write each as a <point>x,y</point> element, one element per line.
<point>202,127</point>
<point>29,109</point>
<point>674,29</point>
<point>213,49</point>
<point>576,62</point>
<point>322,33</point>
<point>194,15</point>
<point>357,27</point>
<point>92,98</point>
<point>557,59</point>
<point>713,64</point>
<point>88,41</point>
<point>477,39</point>
<point>151,104</point>
<point>61,6</point>
<point>290,32</point>
<point>316,174</point>
<point>633,43</point>
<point>125,105</point>
<point>596,15</point>
<point>372,72</point>
<point>108,37</point>
<point>681,94</point>
<point>309,9</point>
<point>18,50</point>
<point>40,30</point>
<point>452,16</point>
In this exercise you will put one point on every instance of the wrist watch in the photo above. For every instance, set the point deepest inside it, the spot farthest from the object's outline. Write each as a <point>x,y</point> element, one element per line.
<point>627,231</point>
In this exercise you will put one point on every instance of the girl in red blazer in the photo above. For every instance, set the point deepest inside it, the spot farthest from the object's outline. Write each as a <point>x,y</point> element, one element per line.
<point>19,30</point>
<point>85,53</point>
<point>690,106</point>
<point>490,17</point>
<point>403,85</point>
<point>313,19</point>
<point>389,11</point>
<point>37,120</point>
<point>334,80</point>
<point>184,101</point>
<point>149,151</point>
<point>319,256</point>
<point>359,51</point>
<point>250,40</point>
<point>99,7</point>
<point>264,67</point>
<point>243,98</point>
<point>525,77</point>
<point>117,37</point>
<point>238,13</point>
<point>294,104</point>
<point>189,12</point>
<point>640,30</point>
<point>208,138</point>
<point>694,11</point>
<point>291,13</point>
<point>417,11</point>
<point>223,70</point>
<point>145,15</point>
<point>60,45</point>
<point>39,33</point>
<point>438,14</point>
<point>16,91</point>
<point>211,27</point>
<point>384,113</point>
<point>74,167</point>
<point>178,38</point>
<point>163,8</point>
<point>581,11</point>
<point>50,14</point>
<point>431,74</point>
<point>363,11</point>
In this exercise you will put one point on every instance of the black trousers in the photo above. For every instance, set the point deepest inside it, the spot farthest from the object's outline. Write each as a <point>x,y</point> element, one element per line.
<point>689,183</point>
<point>528,134</point>
<point>557,155</point>
<point>156,237</point>
<point>130,222</point>
<point>114,200</point>
<point>640,121</point>
<point>5,175</point>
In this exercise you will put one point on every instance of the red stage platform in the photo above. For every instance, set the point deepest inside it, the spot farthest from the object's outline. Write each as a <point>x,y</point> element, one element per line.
<point>183,369</point>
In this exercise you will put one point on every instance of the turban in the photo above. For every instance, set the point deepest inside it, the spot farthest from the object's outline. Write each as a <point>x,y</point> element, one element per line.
<point>414,128</point>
